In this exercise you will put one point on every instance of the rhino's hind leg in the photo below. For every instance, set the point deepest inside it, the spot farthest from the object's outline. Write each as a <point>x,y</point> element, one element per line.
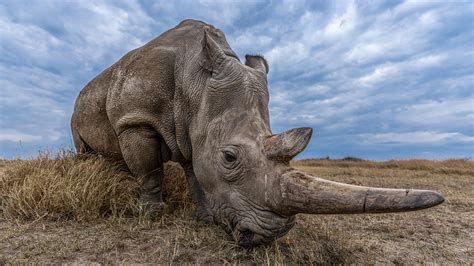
<point>203,212</point>
<point>141,151</point>
<point>81,146</point>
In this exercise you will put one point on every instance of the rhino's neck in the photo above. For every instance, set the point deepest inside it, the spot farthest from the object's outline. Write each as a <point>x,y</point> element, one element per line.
<point>192,100</point>
<point>190,82</point>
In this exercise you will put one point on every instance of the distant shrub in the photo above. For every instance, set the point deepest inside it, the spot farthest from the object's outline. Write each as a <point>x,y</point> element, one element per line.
<point>352,159</point>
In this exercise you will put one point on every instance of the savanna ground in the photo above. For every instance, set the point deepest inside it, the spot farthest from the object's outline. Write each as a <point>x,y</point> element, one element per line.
<point>84,209</point>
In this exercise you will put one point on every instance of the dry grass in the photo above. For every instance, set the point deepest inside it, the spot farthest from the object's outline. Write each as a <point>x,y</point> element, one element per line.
<point>80,188</point>
<point>69,209</point>
<point>66,187</point>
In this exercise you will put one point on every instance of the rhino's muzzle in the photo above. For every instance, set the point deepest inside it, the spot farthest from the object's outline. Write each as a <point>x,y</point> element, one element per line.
<point>246,238</point>
<point>250,234</point>
<point>303,193</point>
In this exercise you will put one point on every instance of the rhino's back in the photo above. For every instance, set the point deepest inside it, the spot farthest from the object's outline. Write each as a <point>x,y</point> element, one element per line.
<point>136,90</point>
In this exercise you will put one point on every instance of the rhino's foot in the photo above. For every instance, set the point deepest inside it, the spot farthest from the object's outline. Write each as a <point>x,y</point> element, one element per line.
<point>154,210</point>
<point>204,215</point>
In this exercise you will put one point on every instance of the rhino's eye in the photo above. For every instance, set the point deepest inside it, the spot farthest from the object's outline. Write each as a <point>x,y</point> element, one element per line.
<point>229,156</point>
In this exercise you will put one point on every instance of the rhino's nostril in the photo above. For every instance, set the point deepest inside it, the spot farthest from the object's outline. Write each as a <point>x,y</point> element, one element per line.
<point>246,238</point>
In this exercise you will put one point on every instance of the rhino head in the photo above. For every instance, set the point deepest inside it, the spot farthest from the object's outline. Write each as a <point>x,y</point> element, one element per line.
<point>244,169</point>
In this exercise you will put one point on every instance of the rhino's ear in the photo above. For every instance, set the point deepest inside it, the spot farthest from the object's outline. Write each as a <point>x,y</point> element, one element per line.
<point>257,62</point>
<point>285,146</point>
<point>214,55</point>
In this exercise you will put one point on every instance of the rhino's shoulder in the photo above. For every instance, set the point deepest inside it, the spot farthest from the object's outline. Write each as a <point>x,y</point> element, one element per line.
<point>186,31</point>
<point>191,22</point>
<point>164,48</point>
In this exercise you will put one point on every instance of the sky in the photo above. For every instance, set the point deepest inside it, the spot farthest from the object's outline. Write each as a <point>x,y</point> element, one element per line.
<point>374,79</point>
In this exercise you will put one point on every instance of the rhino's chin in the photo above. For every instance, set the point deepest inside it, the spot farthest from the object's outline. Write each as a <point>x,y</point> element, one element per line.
<point>248,235</point>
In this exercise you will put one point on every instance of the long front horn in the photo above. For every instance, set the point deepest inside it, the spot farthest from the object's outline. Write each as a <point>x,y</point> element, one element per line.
<point>303,193</point>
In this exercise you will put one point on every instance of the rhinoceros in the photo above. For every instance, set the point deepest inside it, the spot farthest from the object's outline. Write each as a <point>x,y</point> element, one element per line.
<point>186,97</point>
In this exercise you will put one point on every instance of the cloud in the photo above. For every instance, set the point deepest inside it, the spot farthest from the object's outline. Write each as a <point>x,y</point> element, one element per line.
<point>343,24</point>
<point>223,13</point>
<point>17,136</point>
<point>441,113</point>
<point>390,71</point>
<point>417,137</point>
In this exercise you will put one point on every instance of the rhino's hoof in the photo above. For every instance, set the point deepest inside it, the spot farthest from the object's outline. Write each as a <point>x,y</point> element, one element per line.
<point>154,210</point>
<point>204,216</point>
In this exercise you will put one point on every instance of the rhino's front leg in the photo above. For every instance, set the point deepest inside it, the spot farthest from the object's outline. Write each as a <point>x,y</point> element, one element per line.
<point>203,212</point>
<point>141,151</point>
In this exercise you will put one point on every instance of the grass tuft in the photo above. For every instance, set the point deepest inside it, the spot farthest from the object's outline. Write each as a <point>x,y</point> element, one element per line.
<point>81,188</point>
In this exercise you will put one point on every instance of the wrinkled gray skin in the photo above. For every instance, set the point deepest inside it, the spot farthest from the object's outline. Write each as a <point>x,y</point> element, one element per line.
<point>186,97</point>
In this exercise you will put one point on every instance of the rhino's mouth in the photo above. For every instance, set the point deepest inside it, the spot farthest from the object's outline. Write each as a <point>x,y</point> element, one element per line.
<point>245,238</point>
<point>249,234</point>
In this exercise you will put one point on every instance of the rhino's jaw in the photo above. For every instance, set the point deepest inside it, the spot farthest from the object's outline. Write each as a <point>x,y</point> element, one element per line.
<point>248,232</point>
<point>248,238</point>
